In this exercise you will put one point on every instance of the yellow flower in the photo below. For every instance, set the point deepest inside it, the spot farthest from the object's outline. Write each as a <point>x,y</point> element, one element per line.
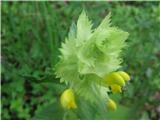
<point>111,105</point>
<point>116,88</point>
<point>114,78</point>
<point>67,99</point>
<point>125,76</point>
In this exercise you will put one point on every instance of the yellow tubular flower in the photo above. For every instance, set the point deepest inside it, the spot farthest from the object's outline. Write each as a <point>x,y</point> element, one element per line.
<point>125,76</point>
<point>116,88</point>
<point>111,105</point>
<point>114,78</point>
<point>67,99</point>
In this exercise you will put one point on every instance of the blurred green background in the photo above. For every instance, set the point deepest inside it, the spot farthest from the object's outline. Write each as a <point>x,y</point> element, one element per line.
<point>31,34</point>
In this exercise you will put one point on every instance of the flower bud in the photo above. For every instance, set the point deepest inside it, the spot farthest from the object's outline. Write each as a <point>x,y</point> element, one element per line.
<point>116,88</point>
<point>124,75</point>
<point>67,99</point>
<point>111,105</point>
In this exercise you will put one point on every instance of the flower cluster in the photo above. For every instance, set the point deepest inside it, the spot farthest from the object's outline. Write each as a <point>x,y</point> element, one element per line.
<point>116,81</point>
<point>89,60</point>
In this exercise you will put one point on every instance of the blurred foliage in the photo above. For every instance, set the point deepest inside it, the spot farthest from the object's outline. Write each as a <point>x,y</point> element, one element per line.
<point>31,35</point>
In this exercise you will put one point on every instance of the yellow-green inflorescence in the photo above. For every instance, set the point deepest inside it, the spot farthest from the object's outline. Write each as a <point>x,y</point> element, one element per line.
<point>89,63</point>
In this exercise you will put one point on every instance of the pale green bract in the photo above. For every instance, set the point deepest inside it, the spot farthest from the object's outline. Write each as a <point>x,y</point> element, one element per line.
<point>87,55</point>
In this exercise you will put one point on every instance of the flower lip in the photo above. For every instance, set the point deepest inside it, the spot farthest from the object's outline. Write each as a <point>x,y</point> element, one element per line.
<point>125,75</point>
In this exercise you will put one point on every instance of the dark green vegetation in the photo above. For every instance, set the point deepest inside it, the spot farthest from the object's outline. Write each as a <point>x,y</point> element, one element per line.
<point>31,35</point>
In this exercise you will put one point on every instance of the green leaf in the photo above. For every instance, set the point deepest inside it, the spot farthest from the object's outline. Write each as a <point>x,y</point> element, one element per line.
<point>105,23</point>
<point>144,116</point>
<point>83,28</point>
<point>52,111</point>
